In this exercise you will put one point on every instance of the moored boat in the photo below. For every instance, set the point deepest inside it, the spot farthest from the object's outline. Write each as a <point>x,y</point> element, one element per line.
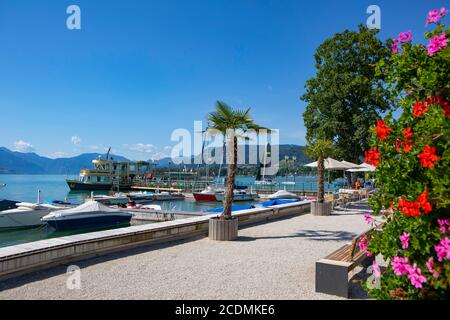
<point>141,197</point>
<point>25,215</point>
<point>238,195</point>
<point>208,194</point>
<point>108,174</point>
<point>89,214</point>
<point>167,196</point>
<point>117,199</point>
<point>283,194</point>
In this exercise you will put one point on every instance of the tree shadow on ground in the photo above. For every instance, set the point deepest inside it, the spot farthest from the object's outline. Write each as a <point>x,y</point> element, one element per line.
<point>318,235</point>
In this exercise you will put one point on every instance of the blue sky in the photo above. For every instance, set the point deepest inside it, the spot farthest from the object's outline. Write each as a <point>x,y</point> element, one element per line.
<point>137,70</point>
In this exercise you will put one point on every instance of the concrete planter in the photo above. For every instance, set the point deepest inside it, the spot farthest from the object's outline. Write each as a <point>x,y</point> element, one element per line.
<point>321,209</point>
<point>223,230</point>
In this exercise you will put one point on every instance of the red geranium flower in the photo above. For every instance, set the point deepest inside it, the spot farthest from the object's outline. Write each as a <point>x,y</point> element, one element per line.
<point>428,157</point>
<point>382,130</point>
<point>405,143</point>
<point>412,209</point>
<point>423,202</point>
<point>446,107</point>
<point>420,108</point>
<point>372,156</point>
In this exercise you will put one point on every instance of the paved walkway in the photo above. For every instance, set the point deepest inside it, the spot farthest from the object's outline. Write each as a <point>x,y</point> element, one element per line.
<point>274,260</point>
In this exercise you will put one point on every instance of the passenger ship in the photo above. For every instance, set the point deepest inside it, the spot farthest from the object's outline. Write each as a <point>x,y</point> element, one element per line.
<point>111,174</point>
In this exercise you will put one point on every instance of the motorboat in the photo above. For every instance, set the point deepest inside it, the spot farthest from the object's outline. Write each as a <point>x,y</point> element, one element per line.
<point>267,182</point>
<point>238,195</point>
<point>114,200</point>
<point>89,214</point>
<point>141,197</point>
<point>207,194</point>
<point>7,204</point>
<point>26,215</point>
<point>283,194</point>
<point>167,196</point>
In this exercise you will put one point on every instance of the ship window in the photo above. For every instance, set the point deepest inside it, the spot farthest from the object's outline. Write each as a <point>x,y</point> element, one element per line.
<point>132,167</point>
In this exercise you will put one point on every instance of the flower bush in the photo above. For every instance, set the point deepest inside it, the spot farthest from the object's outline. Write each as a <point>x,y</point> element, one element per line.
<point>411,152</point>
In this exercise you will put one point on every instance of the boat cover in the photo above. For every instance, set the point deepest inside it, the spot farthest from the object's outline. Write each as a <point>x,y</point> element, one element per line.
<point>278,201</point>
<point>89,206</point>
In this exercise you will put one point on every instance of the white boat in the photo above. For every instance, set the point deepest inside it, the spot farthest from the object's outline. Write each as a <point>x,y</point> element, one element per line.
<point>167,196</point>
<point>208,194</point>
<point>238,195</point>
<point>283,194</point>
<point>117,199</point>
<point>142,197</point>
<point>25,215</point>
<point>265,183</point>
<point>89,214</point>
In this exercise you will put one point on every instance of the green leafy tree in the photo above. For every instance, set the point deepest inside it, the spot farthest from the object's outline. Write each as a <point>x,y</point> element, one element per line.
<point>320,149</point>
<point>346,96</point>
<point>231,123</point>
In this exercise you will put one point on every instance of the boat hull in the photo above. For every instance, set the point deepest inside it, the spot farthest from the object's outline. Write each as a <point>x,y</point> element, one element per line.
<point>205,197</point>
<point>23,219</point>
<point>237,197</point>
<point>90,222</point>
<point>78,185</point>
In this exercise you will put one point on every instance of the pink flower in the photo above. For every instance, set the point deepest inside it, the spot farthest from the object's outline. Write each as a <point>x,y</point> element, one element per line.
<point>404,238</point>
<point>368,218</point>
<point>430,264</point>
<point>415,276</point>
<point>405,36</point>
<point>436,43</point>
<point>376,269</point>
<point>444,225</point>
<point>395,46</point>
<point>443,249</point>
<point>363,243</point>
<point>436,15</point>
<point>400,265</point>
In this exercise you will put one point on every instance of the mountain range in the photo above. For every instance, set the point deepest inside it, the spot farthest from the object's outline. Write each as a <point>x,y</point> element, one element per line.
<point>13,162</point>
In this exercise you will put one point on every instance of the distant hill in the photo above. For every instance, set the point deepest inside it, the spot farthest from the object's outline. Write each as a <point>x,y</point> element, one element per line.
<point>12,162</point>
<point>290,150</point>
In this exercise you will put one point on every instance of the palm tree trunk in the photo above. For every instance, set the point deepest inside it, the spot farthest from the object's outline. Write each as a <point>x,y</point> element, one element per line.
<point>320,180</point>
<point>231,176</point>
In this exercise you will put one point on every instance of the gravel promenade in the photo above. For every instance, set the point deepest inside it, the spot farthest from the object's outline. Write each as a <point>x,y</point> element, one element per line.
<point>274,260</point>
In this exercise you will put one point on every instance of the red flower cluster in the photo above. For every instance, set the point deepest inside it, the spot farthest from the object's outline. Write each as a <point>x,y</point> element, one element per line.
<point>412,209</point>
<point>428,157</point>
<point>420,108</point>
<point>405,143</point>
<point>372,156</point>
<point>382,130</point>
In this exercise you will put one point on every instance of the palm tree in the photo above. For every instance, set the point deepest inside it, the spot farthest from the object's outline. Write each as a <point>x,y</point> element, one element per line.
<point>230,123</point>
<point>320,149</point>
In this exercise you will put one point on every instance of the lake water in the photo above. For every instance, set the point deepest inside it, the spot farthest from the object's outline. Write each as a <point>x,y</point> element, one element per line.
<point>53,187</point>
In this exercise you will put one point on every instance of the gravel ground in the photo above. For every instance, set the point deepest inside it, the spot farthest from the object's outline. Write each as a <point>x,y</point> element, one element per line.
<point>274,260</point>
